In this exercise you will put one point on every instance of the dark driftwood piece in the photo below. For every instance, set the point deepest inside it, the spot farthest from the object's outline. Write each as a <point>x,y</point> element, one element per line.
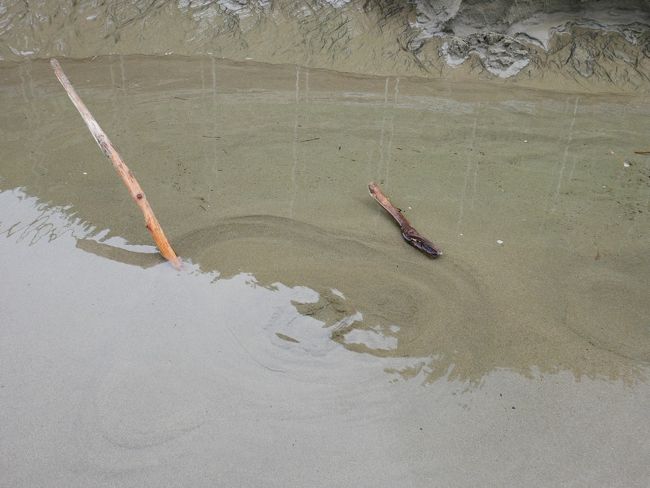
<point>410,235</point>
<point>122,169</point>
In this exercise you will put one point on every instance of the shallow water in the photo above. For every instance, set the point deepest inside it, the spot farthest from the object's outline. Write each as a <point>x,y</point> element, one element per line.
<point>304,343</point>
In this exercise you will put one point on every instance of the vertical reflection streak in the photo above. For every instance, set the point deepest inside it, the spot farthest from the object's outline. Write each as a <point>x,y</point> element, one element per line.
<point>470,151</point>
<point>294,146</point>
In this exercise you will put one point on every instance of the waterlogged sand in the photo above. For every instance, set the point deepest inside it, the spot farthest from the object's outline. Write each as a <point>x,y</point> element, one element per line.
<point>565,45</point>
<point>304,343</point>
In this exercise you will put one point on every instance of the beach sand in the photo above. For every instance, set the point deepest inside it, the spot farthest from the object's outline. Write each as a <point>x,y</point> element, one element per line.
<point>304,343</point>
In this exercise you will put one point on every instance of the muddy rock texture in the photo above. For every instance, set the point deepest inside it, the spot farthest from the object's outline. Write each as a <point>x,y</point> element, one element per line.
<point>587,45</point>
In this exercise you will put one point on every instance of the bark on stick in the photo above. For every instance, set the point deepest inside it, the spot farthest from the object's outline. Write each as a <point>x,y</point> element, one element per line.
<point>410,235</point>
<point>151,222</point>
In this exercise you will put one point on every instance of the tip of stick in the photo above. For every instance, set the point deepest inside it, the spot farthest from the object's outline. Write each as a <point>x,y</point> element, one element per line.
<point>171,256</point>
<point>177,264</point>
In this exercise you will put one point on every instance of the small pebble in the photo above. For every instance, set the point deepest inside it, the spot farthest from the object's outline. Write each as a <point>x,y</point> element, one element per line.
<point>525,140</point>
<point>499,242</point>
<point>627,164</point>
<point>85,173</point>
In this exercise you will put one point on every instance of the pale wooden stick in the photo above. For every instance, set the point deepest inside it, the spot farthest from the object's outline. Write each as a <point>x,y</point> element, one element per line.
<point>123,171</point>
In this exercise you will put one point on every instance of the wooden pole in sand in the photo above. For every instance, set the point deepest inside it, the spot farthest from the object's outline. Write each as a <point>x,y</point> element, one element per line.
<point>122,169</point>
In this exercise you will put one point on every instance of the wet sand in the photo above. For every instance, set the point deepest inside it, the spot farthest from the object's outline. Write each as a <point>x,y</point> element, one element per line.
<point>304,343</point>
<point>565,45</point>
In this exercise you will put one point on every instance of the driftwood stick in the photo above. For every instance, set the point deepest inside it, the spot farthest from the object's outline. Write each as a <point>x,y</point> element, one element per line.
<point>410,235</point>
<point>122,169</point>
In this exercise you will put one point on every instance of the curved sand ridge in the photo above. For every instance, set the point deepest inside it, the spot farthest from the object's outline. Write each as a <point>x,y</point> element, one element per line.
<point>430,308</point>
<point>388,301</point>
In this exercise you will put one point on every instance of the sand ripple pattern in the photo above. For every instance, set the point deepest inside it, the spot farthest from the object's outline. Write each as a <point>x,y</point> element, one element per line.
<point>605,312</point>
<point>413,306</point>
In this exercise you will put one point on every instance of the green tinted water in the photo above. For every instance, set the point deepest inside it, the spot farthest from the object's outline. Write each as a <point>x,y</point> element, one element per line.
<point>300,315</point>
